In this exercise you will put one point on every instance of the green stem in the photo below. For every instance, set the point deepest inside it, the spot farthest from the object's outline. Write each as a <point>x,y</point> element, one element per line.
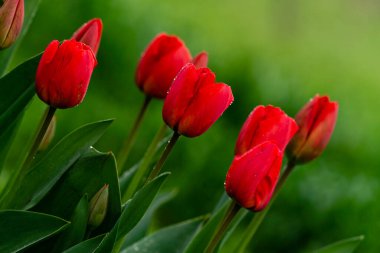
<point>144,164</point>
<point>20,173</point>
<point>124,153</point>
<point>259,217</point>
<point>40,136</point>
<point>222,227</point>
<point>163,157</point>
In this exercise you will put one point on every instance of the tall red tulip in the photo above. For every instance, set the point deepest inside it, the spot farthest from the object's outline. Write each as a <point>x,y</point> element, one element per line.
<point>253,176</point>
<point>316,122</point>
<point>195,101</point>
<point>90,34</point>
<point>265,123</point>
<point>64,73</point>
<point>161,62</point>
<point>11,20</point>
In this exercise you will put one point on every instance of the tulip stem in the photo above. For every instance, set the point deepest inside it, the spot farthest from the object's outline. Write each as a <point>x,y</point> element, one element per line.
<point>259,217</point>
<point>232,210</point>
<point>20,173</point>
<point>124,153</point>
<point>144,165</point>
<point>39,137</point>
<point>156,170</point>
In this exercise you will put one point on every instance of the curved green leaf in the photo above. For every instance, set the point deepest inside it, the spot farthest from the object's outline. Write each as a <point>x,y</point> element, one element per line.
<point>87,246</point>
<point>140,230</point>
<point>172,239</point>
<point>46,172</point>
<point>20,229</point>
<point>133,211</point>
<point>344,246</point>
<point>16,91</point>
<point>93,170</point>
<point>31,7</point>
<point>76,230</point>
<point>203,236</point>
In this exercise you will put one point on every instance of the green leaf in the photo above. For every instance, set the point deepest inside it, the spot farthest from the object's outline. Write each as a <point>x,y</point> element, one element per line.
<point>16,91</point>
<point>172,239</point>
<point>87,246</point>
<point>140,230</point>
<point>90,173</point>
<point>344,246</point>
<point>20,229</point>
<point>46,172</point>
<point>31,7</point>
<point>133,211</point>
<point>203,236</point>
<point>76,230</point>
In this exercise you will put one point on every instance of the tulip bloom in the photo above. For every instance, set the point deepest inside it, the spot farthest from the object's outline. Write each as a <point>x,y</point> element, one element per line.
<point>64,73</point>
<point>265,123</point>
<point>161,62</point>
<point>316,122</point>
<point>253,176</point>
<point>90,34</point>
<point>11,20</point>
<point>195,101</point>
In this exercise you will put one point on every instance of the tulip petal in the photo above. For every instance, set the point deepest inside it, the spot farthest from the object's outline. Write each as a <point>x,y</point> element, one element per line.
<point>90,34</point>
<point>205,108</point>
<point>201,60</point>
<point>160,63</point>
<point>265,123</point>
<point>252,177</point>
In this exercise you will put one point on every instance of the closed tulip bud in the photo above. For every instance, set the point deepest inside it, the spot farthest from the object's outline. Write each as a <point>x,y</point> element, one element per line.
<point>11,19</point>
<point>64,73</point>
<point>49,135</point>
<point>160,63</point>
<point>201,60</point>
<point>98,207</point>
<point>316,122</point>
<point>253,176</point>
<point>265,123</point>
<point>195,101</point>
<point>90,34</point>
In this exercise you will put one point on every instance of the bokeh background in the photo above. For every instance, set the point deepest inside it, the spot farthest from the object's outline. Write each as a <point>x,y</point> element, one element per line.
<point>270,52</point>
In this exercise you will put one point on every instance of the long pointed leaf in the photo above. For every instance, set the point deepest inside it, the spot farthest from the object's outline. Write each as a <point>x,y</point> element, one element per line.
<point>344,246</point>
<point>47,171</point>
<point>20,229</point>
<point>31,7</point>
<point>172,239</point>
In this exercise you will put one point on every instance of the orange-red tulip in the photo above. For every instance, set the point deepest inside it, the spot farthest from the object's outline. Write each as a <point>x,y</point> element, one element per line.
<point>90,34</point>
<point>11,20</point>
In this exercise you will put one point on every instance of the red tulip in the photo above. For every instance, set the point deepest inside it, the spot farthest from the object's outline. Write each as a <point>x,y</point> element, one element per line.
<point>194,101</point>
<point>253,176</point>
<point>11,19</point>
<point>90,34</point>
<point>64,73</point>
<point>316,122</point>
<point>265,123</point>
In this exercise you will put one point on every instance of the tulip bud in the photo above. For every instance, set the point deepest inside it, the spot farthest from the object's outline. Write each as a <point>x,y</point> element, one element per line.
<point>195,101</point>
<point>316,122</point>
<point>265,123</point>
<point>201,60</point>
<point>90,34</point>
<point>11,19</point>
<point>49,135</point>
<point>253,176</point>
<point>98,207</point>
<point>160,63</point>
<point>64,73</point>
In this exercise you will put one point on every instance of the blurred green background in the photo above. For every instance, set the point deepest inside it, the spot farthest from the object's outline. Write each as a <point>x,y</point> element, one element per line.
<point>270,52</point>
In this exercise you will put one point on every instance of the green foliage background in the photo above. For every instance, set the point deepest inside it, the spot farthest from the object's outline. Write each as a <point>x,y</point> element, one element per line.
<point>270,52</point>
